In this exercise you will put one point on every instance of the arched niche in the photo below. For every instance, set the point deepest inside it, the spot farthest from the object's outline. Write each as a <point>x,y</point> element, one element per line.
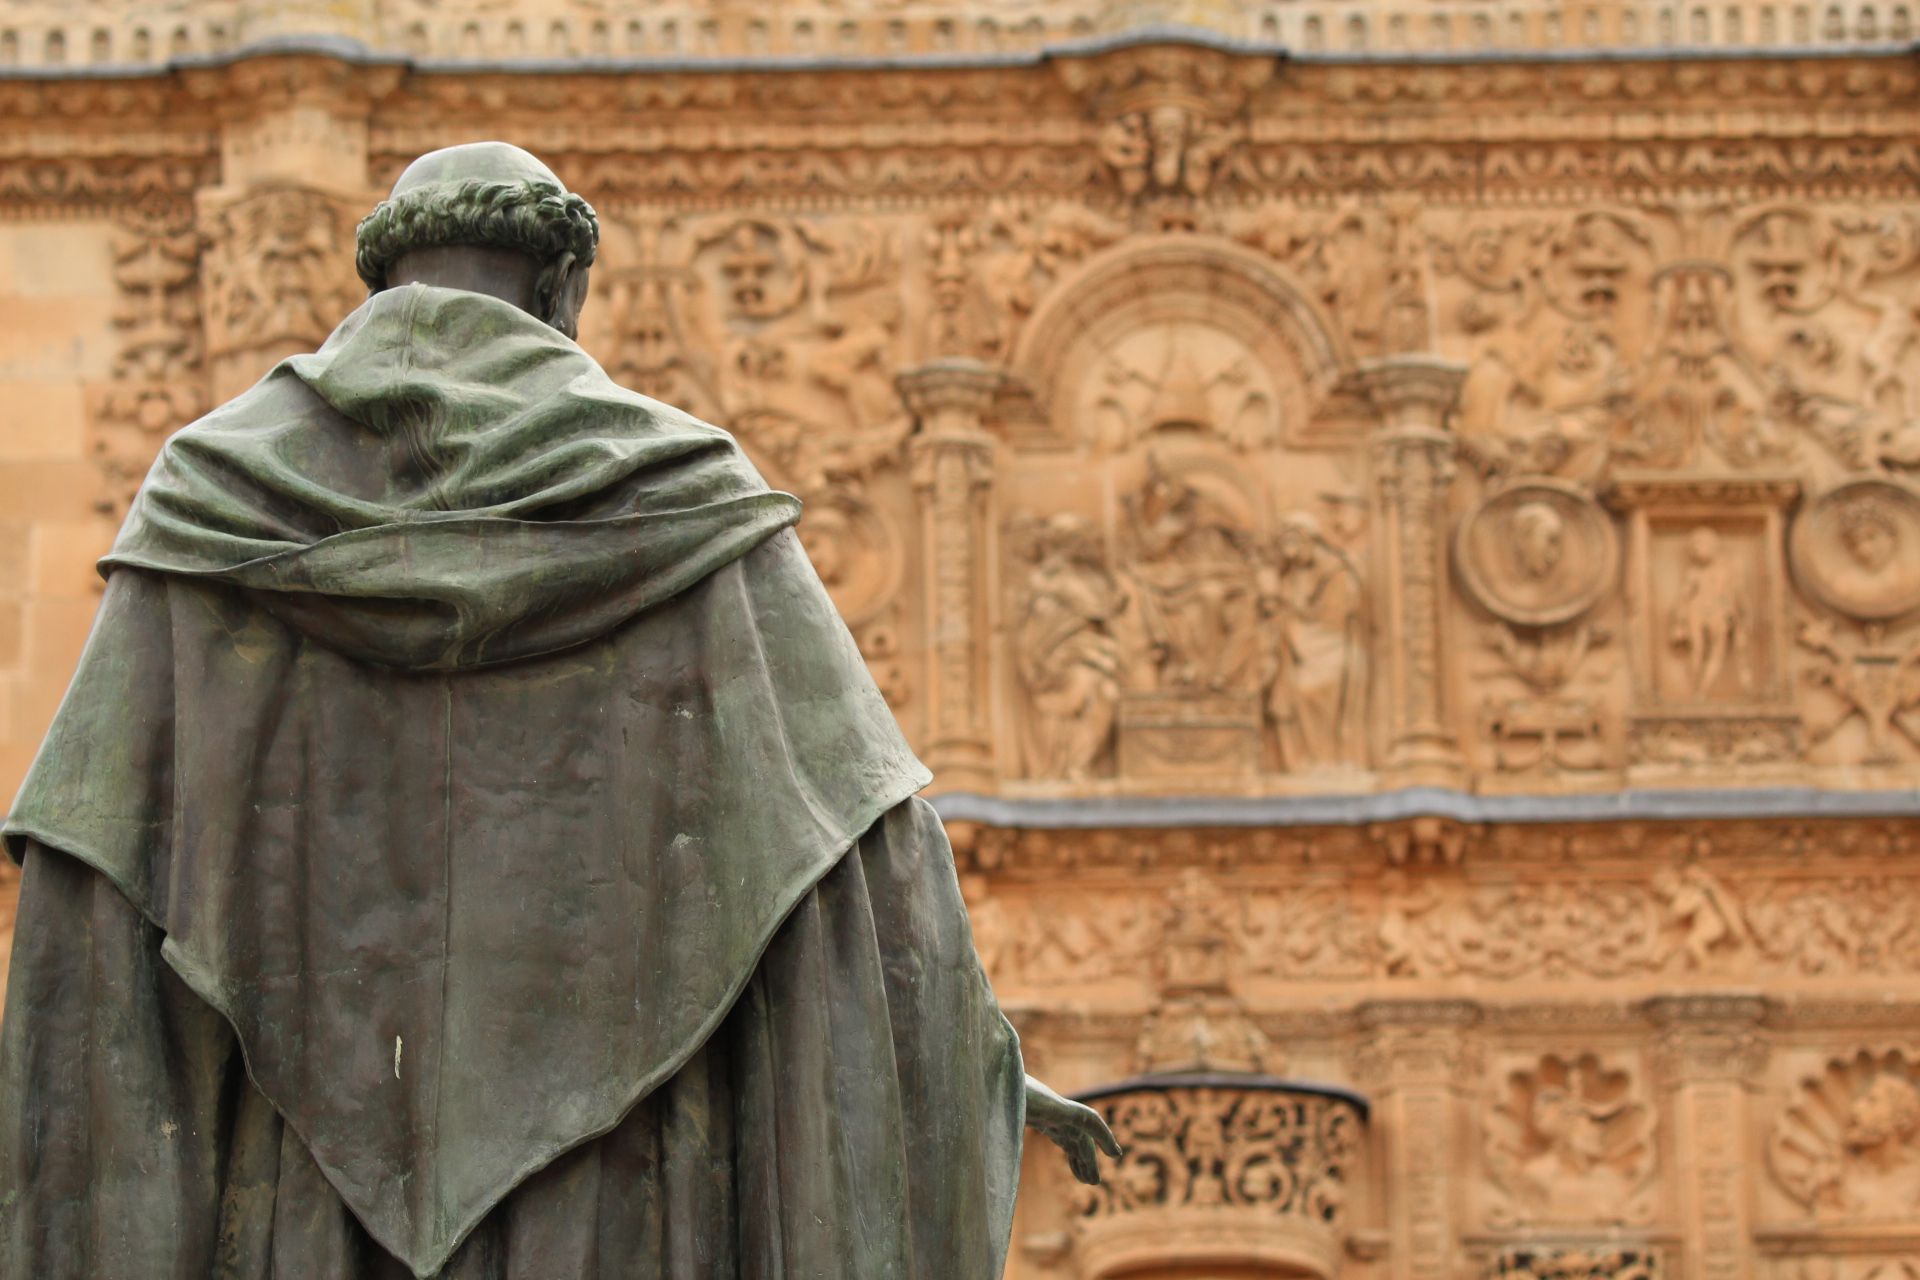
<point>1187,334</point>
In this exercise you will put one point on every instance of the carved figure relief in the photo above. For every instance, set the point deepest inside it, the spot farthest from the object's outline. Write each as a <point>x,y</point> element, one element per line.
<point>1168,147</point>
<point>1313,606</point>
<point>1698,904</point>
<point>1570,1140</point>
<point>1189,549</point>
<point>1904,1267</point>
<point>1066,647</point>
<point>1168,115</point>
<point>1556,313</point>
<point>1537,551</point>
<point>1847,1141</point>
<point>1856,549</point>
<point>1711,644</point>
<point>1710,620</point>
<point>1367,266</point>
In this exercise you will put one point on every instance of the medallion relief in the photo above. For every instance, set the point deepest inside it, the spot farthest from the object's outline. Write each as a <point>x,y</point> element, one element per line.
<point>1856,549</point>
<point>1570,1139</point>
<point>1846,1143</point>
<point>1536,552</point>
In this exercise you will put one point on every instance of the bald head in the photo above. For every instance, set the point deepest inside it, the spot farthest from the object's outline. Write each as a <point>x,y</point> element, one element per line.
<point>487,217</point>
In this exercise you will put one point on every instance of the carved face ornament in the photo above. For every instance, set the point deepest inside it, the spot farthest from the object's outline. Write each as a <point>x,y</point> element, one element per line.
<point>1870,537</point>
<point>1887,1113</point>
<point>1539,539</point>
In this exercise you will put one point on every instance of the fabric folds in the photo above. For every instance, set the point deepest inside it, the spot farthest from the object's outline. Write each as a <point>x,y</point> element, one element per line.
<point>461,729</point>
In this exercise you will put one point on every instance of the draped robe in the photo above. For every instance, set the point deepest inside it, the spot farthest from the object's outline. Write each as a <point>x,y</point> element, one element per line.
<point>473,846</point>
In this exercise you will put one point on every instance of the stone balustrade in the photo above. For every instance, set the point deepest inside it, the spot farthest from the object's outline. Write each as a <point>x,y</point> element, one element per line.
<point>43,34</point>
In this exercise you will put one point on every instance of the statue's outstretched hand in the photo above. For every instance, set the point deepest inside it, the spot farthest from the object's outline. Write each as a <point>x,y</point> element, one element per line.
<point>1075,1129</point>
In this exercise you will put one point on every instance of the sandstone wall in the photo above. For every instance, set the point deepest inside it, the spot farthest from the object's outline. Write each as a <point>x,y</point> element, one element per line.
<point>1405,563</point>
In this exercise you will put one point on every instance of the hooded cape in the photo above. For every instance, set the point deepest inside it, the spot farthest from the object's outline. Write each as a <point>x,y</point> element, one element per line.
<point>468,725</point>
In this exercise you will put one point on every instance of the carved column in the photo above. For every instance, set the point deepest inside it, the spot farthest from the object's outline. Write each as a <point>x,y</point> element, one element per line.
<point>953,459</point>
<point>1413,1060</point>
<point>1710,1052</point>
<point>277,233</point>
<point>1413,457</point>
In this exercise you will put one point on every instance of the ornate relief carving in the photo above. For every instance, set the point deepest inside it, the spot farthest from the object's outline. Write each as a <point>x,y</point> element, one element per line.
<point>1884,1267</point>
<point>1869,679</point>
<point>1168,114</point>
<point>279,271</point>
<point>1856,549</point>
<point>1367,265</point>
<point>1313,603</point>
<point>1426,924</point>
<point>1538,551</point>
<point>1189,546</point>
<point>1570,1139</point>
<point>1200,1025</point>
<point>1176,378</point>
<point>158,370</point>
<point>1288,1157</point>
<point>1547,728</point>
<point>989,276</point>
<point>1555,315</point>
<point>1067,649</point>
<point>1847,1142</point>
<point>1707,572</point>
<point>1536,1263</point>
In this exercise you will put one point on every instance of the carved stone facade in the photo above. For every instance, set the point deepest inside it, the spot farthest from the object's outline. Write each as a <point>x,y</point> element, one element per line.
<point>1405,566</point>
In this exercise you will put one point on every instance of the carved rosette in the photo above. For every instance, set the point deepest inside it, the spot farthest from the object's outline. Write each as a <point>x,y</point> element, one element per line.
<point>1222,1169</point>
<point>953,461</point>
<point>1413,456</point>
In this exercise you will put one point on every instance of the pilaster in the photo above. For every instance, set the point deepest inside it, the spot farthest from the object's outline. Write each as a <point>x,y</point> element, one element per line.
<point>1413,459</point>
<point>953,464</point>
<point>1413,1059</point>
<point>1709,1053</point>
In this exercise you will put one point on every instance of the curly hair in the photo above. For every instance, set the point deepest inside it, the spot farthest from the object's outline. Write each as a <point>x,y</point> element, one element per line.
<point>540,217</point>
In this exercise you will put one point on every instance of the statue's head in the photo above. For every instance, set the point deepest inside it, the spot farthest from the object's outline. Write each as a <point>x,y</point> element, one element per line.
<point>481,209</point>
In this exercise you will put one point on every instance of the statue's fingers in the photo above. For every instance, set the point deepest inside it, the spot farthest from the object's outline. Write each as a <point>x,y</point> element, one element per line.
<point>1081,1160</point>
<point>1104,1136</point>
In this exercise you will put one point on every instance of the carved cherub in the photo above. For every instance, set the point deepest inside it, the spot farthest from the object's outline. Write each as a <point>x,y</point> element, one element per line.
<point>1699,904</point>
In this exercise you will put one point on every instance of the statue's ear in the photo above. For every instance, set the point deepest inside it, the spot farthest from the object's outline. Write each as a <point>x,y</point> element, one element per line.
<point>561,292</point>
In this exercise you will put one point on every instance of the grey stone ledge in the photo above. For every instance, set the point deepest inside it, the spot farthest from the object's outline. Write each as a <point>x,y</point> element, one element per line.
<point>1095,812</point>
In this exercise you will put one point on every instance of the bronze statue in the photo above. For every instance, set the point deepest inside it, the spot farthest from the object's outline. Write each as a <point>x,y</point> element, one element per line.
<point>472,845</point>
